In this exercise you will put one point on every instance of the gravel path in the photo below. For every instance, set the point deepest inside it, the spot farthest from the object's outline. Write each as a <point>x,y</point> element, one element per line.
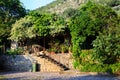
<point>54,76</point>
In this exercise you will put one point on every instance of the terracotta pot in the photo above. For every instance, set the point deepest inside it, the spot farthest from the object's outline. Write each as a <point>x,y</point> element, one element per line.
<point>52,52</point>
<point>62,52</point>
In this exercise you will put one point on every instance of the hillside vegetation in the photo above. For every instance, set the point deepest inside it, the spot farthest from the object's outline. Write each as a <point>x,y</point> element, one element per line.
<point>59,6</point>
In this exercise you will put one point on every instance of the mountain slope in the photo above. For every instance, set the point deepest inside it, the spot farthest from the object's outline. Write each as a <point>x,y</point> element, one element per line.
<point>60,6</point>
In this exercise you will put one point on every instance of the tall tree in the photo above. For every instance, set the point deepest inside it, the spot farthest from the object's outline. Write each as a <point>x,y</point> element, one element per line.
<point>22,29</point>
<point>37,25</point>
<point>48,25</point>
<point>10,11</point>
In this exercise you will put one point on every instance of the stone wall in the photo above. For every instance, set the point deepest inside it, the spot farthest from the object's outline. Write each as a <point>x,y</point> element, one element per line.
<point>16,62</point>
<point>65,59</point>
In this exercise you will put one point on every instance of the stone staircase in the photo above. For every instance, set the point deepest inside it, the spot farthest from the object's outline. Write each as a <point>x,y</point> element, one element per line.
<point>56,62</point>
<point>47,64</point>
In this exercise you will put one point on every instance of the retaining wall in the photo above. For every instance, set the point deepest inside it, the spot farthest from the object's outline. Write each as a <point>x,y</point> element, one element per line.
<point>16,62</point>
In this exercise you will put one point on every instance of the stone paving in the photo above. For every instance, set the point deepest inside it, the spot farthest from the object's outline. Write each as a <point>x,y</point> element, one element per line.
<point>55,76</point>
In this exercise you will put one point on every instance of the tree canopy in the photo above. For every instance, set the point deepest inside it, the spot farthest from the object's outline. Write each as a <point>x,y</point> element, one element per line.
<point>89,21</point>
<point>36,24</point>
<point>10,11</point>
<point>22,29</point>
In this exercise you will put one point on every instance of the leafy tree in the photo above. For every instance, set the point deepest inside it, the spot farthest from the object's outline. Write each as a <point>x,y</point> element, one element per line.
<point>10,11</point>
<point>57,26</point>
<point>106,46</point>
<point>48,25</point>
<point>91,19</point>
<point>37,25</point>
<point>22,29</point>
<point>41,23</point>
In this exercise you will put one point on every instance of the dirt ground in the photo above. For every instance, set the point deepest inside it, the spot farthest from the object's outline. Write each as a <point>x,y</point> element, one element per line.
<point>65,75</point>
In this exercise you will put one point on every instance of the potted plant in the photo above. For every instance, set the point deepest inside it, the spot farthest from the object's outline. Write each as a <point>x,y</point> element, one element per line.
<point>53,50</point>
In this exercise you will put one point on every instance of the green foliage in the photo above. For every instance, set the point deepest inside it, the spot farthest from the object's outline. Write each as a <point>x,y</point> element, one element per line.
<point>15,51</point>
<point>76,65</point>
<point>22,29</point>
<point>111,3</point>
<point>36,24</point>
<point>115,4</point>
<point>84,58</point>
<point>54,45</point>
<point>106,46</point>
<point>57,26</point>
<point>64,48</point>
<point>115,67</point>
<point>59,47</point>
<point>10,11</point>
<point>112,68</point>
<point>40,23</point>
<point>59,6</point>
<point>48,24</point>
<point>87,64</point>
<point>69,13</point>
<point>93,68</point>
<point>88,22</point>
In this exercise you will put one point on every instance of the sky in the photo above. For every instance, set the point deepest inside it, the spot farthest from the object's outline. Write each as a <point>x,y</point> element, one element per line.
<point>33,4</point>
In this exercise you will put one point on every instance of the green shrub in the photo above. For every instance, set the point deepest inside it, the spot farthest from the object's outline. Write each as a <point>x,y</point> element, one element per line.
<point>54,46</point>
<point>91,20</point>
<point>15,51</point>
<point>92,68</point>
<point>86,63</point>
<point>107,46</point>
<point>76,64</point>
<point>113,68</point>
<point>64,48</point>
<point>86,56</point>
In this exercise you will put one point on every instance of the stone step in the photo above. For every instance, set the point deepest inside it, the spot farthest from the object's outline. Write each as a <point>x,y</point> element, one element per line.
<point>46,65</point>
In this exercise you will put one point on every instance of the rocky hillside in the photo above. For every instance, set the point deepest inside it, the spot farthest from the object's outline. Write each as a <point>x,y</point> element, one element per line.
<point>60,6</point>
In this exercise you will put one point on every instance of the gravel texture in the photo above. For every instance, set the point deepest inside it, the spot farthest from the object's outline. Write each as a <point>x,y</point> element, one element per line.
<point>56,76</point>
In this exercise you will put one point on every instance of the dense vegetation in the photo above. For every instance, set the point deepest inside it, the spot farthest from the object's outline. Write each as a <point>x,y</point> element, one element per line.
<point>59,6</point>
<point>91,21</point>
<point>38,26</point>
<point>10,11</point>
<point>91,29</point>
